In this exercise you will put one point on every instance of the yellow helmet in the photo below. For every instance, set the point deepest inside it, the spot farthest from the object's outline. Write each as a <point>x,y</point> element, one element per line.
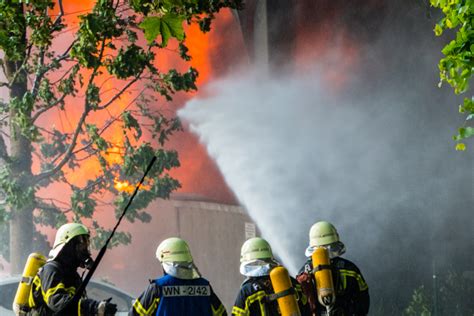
<point>322,233</point>
<point>66,233</point>
<point>255,249</point>
<point>173,249</point>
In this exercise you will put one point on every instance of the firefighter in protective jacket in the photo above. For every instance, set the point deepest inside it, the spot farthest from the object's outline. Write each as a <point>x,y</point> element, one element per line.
<point>181,291</point>
<point>352,292</point>
<point>55,284</point>
<point>255,295</point>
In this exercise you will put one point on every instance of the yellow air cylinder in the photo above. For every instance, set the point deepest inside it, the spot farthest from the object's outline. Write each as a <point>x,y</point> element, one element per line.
<point>284,292</point>
<point>323,276</point>
<point>33,264</point>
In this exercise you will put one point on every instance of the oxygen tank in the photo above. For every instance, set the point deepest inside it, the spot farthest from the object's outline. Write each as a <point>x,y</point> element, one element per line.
<point>284,292</point>
<point>33,264</point>
<point>323,277</point>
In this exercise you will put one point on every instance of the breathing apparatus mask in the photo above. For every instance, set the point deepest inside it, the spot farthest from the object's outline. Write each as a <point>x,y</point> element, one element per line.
<point>182,270</point>
<point>335,249</point>
<point>258,267</point>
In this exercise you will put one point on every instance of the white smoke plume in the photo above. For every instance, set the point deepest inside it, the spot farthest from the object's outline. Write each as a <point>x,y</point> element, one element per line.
<point>376,158</point>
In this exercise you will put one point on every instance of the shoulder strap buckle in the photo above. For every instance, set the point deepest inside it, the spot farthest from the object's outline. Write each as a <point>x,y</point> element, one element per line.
<point>321,267</point>
<point>275,296</point>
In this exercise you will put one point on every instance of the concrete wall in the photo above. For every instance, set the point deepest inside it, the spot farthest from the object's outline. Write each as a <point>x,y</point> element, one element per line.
<point>215,233</point>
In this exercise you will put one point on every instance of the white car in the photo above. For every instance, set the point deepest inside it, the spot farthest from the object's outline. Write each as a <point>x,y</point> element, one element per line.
<point>97,290</point>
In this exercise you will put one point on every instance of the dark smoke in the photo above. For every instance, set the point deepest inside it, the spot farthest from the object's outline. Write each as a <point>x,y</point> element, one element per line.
<point>375,157</point>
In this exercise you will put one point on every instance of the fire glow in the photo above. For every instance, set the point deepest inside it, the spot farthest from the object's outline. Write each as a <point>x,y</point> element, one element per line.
<point>123,186</point>
<point>198,173</point>
<point>212,55</point>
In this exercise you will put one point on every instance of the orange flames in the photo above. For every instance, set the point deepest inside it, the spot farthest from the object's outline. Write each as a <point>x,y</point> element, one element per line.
<point>123,186</point>
<point>213,55</point>
<point>198,173</point>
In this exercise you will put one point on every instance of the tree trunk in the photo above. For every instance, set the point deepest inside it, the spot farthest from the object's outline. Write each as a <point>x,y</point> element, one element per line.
<point>21,223</point>
<point>21,237</point>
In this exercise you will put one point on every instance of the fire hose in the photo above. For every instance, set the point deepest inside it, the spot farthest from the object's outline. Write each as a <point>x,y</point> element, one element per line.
<point>102,251</point>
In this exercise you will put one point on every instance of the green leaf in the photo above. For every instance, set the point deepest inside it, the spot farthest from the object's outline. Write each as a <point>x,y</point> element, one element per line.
<point>173,24</point>
<point>469,132</point>
<point>460,147</point>
<point>152,27</point>
<point>438,30</point>
<point>170,25</point>
<point>129,122</point>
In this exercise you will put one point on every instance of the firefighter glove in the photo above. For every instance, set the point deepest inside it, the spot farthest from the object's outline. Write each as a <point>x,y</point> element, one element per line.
<point>106,308</point>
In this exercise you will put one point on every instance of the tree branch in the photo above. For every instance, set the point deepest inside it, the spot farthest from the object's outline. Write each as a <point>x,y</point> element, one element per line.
<point>3,151</point>
<point>109,123</point>
<point>44,69</point>
<point>48,107</point>
<point>40,64</point>
<point>3,69</point>
<point>52,200</point>
<point>119,94</point>
<point>68,152</point>
<point>19,70</point>
<point>53,83</point>
<point>39,74</point>
<point>50,206</point>
<point>61,13</point>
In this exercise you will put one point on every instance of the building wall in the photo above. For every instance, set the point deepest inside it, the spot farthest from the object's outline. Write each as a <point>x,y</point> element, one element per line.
<point>215,232</point>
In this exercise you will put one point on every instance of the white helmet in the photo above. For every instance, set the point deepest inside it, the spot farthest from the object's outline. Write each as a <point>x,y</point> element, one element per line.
<point>176,259</point>
<point>324,234</point>
<point>256,258</point>
<point>254,249</point>
<point>65,234</point>
<point>174,249</point>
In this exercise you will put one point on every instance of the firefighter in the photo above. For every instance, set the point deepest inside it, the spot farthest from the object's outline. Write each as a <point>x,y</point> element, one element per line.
<point>255,295</point>
<point>352,292</point>
<point>56,282</point>
<point>181,291</point>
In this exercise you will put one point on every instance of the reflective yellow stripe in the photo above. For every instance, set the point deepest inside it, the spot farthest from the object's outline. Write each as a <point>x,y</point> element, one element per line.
<point>239,311</point>
<point>259,296</point>
<point>256,297</point>
<point>218,312</point>
<point>345,273</point>
<point>300,296</point>
<point>79,308</point>
<point>46,295</point>
<point>138,307</point>
<point>35,287</point>
<point>70,290</point>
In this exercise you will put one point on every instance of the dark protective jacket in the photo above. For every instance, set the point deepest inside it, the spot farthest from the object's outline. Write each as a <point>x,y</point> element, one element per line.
<point>53,289</point>
<point>352,292</point>
<point>170,296</point>
<point>253,298</point>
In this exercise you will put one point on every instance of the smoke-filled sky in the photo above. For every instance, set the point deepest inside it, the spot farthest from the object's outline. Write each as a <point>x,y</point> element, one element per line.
<point>368,149</point>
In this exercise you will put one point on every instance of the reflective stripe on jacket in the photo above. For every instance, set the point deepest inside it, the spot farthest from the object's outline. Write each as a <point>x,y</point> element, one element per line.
<point>352,292</point>
<point>53,289</point>
<point>252,299</point>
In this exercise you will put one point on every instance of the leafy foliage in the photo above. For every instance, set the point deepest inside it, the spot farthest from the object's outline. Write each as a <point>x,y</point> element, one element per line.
<point>454,297</point>
<point>420,304</point>
<point>457,66</point>
<point>165,18</point>
<point>166,26</point>
<point>106,49</point>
